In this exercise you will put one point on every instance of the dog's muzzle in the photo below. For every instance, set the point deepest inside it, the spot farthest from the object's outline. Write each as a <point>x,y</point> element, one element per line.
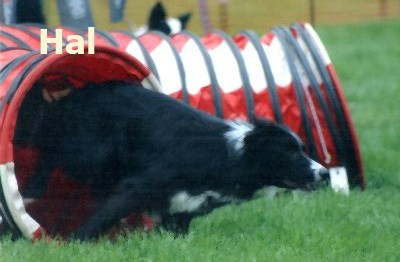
<point>321,174</point>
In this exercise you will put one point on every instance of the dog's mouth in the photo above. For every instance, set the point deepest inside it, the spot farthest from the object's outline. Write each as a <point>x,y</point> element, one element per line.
<point>320,179</point>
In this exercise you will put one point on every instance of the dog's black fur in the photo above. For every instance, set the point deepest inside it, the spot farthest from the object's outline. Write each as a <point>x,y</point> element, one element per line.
<point>137,149</point>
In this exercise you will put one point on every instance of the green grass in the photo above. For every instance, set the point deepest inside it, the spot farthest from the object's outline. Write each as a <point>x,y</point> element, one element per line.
<point>322,226</point>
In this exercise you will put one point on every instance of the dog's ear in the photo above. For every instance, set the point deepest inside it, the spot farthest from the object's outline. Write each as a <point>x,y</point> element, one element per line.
<point>158,19</point>
<point>269,128</point>
<point>263,123</point>
<point>157,14</point>
<point>184,19</point>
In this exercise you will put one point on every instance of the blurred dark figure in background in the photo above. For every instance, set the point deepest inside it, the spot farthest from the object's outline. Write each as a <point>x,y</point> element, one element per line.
<point>30,11</point>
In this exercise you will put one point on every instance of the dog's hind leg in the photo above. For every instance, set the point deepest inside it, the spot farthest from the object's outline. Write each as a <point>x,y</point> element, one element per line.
<point>40,179</point>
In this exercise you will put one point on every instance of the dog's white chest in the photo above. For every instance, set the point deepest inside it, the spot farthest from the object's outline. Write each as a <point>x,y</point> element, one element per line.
<point>183,202</point>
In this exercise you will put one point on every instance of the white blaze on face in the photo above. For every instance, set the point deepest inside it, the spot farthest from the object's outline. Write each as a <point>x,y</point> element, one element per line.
<point>316,168</point>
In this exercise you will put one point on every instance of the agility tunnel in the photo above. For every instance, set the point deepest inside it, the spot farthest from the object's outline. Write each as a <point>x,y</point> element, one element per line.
<point>63,206</point>
<point>285,75</point>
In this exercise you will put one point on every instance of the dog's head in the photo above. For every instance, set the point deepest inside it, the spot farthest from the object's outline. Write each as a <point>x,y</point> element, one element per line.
<point>159,20</point>
<point>275,155</point>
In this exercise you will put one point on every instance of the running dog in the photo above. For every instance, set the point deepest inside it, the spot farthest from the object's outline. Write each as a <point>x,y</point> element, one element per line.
<point>140,151</point>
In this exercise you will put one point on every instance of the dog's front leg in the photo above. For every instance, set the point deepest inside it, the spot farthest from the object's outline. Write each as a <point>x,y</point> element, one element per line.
<point>116,207</point>
<point>177,223</point>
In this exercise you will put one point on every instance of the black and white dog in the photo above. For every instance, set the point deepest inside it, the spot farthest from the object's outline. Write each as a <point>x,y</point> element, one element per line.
<point>139,151</point>
<point>159,20</point>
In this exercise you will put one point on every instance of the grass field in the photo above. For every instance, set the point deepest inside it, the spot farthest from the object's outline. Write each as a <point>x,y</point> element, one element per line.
<point>321,226</point>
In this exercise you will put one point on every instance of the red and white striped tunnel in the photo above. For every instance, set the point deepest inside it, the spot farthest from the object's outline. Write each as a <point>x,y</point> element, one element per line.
<point>57,212</point>
<point>286,75</point>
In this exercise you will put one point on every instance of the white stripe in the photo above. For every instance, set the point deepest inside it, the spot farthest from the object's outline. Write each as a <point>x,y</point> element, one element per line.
<point>195,68</point>
<point>277,60</point>
<point>167,68</point>
<point>226,68</point>
<point>254,68</point>
<point>134,50</point>
<point>26,224</point>
<point>320,45</point>
<point>308,55</point>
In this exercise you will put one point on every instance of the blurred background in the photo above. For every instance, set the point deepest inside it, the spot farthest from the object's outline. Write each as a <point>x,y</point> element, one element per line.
<point>236,15</point>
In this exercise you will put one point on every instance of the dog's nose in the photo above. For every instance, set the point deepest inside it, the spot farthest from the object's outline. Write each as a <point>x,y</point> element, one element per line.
<point>321,174</point>
<point>324,174</point>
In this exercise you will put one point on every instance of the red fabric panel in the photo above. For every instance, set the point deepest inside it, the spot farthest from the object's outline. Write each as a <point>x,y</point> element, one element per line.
<point>150,41</point>
<point>33,42</point>
<point>122,39</point>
